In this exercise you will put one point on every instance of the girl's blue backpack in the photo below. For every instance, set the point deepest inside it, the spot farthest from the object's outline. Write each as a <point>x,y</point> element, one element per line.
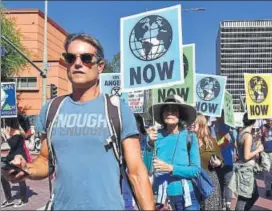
<point>203,181</point>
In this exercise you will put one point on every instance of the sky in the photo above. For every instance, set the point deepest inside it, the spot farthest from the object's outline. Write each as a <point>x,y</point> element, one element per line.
<point>102,19</point>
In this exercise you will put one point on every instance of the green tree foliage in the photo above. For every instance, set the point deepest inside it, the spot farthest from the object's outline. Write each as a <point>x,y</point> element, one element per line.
<point>12,62</point>
<point>108,68</point>
<point>113,66</point>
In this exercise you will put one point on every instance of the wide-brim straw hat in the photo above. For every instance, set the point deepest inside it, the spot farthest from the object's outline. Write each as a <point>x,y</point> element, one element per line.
<point>187,113</point>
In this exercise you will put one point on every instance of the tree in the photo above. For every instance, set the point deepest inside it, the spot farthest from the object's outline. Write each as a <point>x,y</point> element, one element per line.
<point>107,68</point>
<point>12,62</point>
<point>115,64</point>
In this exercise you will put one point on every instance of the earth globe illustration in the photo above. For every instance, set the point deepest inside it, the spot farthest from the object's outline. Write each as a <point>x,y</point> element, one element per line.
<point>185,66</point>
<point>150,38</point>
<point>208,88</point>
<point>4,96</point>
<point>258,89</point>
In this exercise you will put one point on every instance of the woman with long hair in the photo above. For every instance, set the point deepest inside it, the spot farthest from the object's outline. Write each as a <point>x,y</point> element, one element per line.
<point>174,166</point>
<point>211,160</point>
<point>15,139</point>
<point>248,152</point>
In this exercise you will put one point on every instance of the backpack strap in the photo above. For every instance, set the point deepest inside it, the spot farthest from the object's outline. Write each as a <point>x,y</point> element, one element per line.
<point>112,111</point>
<point>52,112</point>
<point>114,120</point>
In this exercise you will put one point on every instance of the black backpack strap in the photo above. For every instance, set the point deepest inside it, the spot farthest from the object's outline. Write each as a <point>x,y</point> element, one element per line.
<point>114,120</point>
<point>52,112</point>
<point>52,109</point>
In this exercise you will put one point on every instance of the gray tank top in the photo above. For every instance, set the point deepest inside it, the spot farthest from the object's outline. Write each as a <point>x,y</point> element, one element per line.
<point>241,146</point>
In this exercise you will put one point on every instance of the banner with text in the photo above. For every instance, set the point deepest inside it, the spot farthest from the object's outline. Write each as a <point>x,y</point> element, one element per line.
<point>8,100</point>
<point>210,90</point>
<point>151,49</point>
<point>228,110</point>
<point>186,90</point>
<point>258,95</point>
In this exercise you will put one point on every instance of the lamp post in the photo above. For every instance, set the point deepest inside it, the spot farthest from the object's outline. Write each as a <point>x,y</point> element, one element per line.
<point>45,66</point>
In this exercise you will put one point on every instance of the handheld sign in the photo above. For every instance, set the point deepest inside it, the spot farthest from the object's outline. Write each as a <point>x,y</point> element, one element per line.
<point>151,49</point>
<point>8,100</point>
<point>210,91</point>
<point>110,84</point>
<point>186,90</point>
<point>238,118</point>
<point>228,110</point>
<point>258,95</point>
<point>136,101</point>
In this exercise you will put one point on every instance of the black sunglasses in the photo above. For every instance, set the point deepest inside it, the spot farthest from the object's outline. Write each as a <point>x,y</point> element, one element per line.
<point>86,58</point>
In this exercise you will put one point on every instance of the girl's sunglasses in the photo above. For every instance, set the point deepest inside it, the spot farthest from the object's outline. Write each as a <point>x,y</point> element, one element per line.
<point>86,58</point>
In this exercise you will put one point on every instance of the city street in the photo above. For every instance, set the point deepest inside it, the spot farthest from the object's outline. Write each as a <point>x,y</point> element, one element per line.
<point>39,194</point>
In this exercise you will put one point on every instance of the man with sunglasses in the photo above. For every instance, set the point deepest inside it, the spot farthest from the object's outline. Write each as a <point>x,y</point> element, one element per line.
<point>87,176</point>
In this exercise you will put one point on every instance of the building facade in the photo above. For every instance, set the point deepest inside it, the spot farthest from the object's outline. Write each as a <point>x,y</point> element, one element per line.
<point>30,23</point>
<point>243,47</point>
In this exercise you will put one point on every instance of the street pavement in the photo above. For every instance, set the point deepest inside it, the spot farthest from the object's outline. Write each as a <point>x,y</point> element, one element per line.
<point>38,193</point>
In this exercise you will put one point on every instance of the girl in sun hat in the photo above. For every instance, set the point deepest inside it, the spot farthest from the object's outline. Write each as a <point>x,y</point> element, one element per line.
<point>174,166</point>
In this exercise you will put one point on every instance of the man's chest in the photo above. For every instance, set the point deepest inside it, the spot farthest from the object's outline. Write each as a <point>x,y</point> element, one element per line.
<point>80,126</point>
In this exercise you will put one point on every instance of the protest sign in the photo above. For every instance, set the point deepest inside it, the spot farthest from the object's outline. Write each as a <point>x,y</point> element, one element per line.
<point>238,118</point>
<point>258,95</point>
<point>210,90</point>
<point>110,84</point>
<point>186,90</point>
<point>8,100</point>
<point>228,110</point>
<point>136,101</point>
<point>151,49</point>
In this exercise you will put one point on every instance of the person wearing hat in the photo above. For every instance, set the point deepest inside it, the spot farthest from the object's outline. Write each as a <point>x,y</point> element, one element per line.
<point>174,166</point>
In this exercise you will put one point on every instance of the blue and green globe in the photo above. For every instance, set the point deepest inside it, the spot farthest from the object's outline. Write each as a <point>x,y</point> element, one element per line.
<point>150,38</point>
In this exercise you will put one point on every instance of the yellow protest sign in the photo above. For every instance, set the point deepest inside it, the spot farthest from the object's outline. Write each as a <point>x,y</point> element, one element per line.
<point>258,95</point>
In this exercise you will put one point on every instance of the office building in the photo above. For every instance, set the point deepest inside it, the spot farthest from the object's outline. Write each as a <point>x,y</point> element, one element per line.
<point>243,47</point>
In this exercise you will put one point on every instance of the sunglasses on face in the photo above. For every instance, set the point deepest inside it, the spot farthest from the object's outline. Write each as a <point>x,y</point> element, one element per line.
<point>86,58</point>
<point>171,109</point>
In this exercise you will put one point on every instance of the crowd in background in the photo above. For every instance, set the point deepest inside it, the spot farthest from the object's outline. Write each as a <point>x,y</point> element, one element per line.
<point>219,149</point>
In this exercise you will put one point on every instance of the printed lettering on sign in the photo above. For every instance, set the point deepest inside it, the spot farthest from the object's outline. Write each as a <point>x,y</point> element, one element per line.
<point>186,90</point>
<point>110,84</point>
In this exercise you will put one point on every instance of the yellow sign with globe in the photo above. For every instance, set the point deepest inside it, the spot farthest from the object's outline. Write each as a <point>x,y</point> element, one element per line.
<point>258,95</point>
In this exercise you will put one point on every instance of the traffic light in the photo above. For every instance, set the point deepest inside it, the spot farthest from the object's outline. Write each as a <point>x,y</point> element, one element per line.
<point>53,91</point>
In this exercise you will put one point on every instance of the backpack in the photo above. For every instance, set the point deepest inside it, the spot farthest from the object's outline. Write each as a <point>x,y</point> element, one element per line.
<point>114,120</point>
<point>203,182</point>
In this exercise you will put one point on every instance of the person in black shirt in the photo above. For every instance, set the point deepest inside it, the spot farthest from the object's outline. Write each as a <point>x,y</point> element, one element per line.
<point>15,139</point>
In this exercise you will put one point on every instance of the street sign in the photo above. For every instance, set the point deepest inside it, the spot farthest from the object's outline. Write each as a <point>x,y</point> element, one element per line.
<point>8,100</point>
<point>3,51</point>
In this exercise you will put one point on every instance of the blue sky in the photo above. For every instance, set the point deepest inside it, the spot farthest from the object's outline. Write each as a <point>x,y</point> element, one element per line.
<point>102,19</point>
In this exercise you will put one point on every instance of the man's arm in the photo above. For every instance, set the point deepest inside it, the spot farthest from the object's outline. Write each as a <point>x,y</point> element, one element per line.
<point>137,173</point>
<point>39,169</point>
